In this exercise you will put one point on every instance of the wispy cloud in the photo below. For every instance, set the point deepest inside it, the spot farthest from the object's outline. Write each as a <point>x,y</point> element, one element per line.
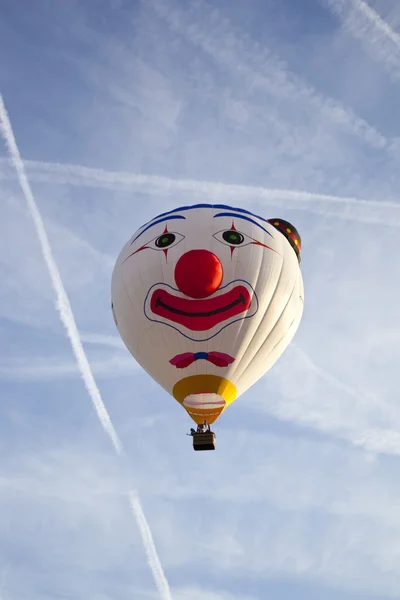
<point>327,404</point>
<point>196,593</point>
<point>52,368</point>
<point>376,34</point>
<point>265,517</point>
<point>102,339</point>
<point>25,295</point>
<point>205,28</point>
<point>68,320</point>
<point>3,583</point>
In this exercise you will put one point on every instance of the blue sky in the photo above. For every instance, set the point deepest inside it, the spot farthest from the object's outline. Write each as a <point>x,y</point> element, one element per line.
<point>122,110</point>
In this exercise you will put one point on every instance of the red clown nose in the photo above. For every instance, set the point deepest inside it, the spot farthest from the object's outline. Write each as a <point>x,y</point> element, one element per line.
<point>198,273</point>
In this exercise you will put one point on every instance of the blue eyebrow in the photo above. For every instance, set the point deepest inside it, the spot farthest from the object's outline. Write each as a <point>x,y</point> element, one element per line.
<point>156,223</point>
<point>215,206</point>
<point>228,214</point>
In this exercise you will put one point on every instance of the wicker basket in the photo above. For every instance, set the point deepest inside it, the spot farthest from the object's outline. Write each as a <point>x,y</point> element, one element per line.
<point>204,441</point>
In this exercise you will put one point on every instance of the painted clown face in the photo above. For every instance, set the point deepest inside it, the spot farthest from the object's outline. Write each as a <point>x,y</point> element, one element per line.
<point>206,298</point>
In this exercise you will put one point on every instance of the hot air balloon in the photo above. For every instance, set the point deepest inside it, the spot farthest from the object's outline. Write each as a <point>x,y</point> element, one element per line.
<point>206,298</point>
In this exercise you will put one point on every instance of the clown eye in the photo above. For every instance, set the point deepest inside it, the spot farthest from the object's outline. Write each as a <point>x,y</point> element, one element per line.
<point>161,243</point>
<point>233,237</point>
<point>165,240</point>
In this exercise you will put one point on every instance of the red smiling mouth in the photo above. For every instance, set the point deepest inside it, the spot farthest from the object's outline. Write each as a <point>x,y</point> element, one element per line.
<point>200,315</point>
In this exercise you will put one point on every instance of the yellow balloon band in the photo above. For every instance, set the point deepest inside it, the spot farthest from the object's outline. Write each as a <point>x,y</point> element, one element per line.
<point>204,384</point>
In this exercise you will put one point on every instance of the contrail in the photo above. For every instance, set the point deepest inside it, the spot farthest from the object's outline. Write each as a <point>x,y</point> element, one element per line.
<point>362,21</point>
<point>158,572</point>
<point>68,320</point>
<point>342,207</point>
<point>63,305</point>
<point>379,23</point>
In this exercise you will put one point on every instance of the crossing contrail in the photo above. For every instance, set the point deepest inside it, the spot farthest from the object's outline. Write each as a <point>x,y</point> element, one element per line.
<point>68,320</point>
<point>385,212</point>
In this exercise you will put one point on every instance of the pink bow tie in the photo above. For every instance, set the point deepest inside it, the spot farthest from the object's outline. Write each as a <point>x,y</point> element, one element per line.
<point>216,358</point>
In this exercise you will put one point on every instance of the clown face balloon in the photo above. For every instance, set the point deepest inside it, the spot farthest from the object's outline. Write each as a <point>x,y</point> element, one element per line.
<point>206,298</point>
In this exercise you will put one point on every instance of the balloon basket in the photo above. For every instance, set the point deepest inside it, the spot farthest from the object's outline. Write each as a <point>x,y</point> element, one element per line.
<point>204,441</point>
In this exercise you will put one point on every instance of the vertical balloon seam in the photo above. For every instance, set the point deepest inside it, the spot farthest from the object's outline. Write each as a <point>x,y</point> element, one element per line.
<point>233,368</point>
<point>250,334</point>
<point>281,338</point>
<point>149,369</point>
<point>130,302</point>
<point>288,334</point>
<point>250,354</point>
<point>254,354</point>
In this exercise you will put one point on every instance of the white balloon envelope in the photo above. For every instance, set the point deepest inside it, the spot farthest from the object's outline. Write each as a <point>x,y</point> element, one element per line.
<point>206,298</point>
